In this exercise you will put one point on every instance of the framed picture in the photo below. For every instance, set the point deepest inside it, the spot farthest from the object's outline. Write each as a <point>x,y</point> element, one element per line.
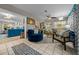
<point>30,21</point>
<point>42,25</point>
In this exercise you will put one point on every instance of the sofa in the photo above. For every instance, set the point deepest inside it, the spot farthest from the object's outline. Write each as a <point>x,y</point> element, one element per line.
<point>34,37</point>
<point>14,32</point>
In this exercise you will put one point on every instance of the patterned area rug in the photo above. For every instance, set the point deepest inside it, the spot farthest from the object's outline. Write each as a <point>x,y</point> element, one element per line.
<point>23,49</point>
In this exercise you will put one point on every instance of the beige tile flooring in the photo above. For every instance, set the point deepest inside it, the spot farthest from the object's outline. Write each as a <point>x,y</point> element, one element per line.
<point>45,47</point>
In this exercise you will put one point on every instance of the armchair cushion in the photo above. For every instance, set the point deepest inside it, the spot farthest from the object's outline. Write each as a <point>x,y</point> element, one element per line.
<point>72,36</point>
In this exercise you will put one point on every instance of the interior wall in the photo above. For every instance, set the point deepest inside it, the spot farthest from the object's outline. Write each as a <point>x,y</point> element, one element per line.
<point>76,25</point>
<point>74,22</point>
<point>71,22</point>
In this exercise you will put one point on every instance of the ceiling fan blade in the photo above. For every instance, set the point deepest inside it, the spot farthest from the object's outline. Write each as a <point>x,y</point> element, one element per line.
<point>53,17</point>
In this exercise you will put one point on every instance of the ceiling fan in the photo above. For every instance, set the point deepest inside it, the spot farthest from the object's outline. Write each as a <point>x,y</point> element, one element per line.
<point>48,16</point>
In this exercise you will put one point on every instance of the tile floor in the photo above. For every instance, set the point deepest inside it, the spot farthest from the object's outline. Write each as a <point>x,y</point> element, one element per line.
<point>45,47</point>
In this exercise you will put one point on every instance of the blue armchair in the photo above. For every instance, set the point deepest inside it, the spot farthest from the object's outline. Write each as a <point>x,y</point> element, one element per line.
<point>34,37</point>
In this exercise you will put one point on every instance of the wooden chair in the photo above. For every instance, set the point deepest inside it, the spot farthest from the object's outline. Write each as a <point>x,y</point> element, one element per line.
<point>68,36</point>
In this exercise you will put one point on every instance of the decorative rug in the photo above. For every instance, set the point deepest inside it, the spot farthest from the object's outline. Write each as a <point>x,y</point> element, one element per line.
<point>23,49</point>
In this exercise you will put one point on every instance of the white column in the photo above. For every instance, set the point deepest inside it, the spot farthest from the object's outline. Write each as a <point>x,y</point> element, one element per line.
<point>25,26</point>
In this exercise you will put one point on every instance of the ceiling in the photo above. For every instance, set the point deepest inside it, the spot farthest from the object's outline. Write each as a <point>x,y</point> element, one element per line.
<point>37,10</point>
